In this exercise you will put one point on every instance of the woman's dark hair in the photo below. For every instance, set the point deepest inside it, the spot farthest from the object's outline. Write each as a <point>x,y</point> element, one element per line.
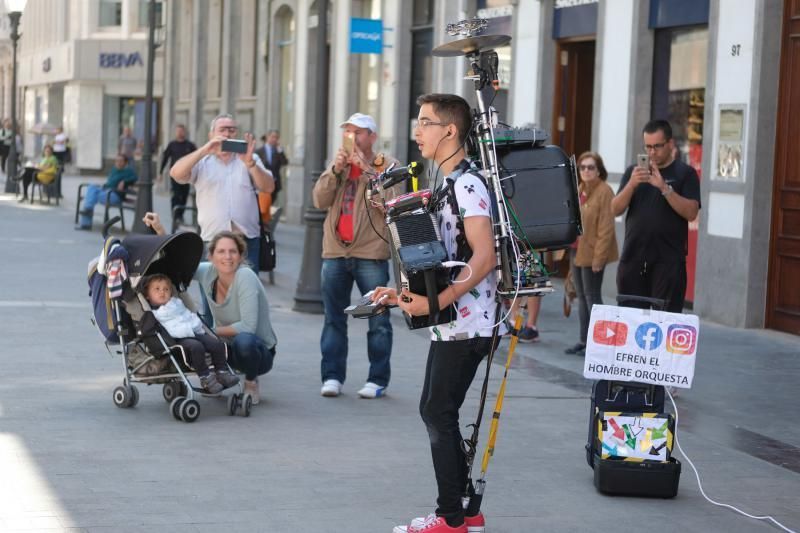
<point>124,157</point>
<point>601,167</point>
<point>241,245</point>
<point>451,109</point>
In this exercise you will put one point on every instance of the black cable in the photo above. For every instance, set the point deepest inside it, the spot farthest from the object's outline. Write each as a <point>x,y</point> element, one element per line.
<point>366,206</point>
<point>439,167</point>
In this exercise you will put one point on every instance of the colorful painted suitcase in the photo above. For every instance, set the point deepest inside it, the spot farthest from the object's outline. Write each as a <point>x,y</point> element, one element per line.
<point>633,454</point>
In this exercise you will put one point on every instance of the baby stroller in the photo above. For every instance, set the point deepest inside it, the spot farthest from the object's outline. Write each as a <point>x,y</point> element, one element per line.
<point>123,316</point>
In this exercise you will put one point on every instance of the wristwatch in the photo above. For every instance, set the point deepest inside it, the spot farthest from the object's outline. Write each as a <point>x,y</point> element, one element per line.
<point>666,192</point>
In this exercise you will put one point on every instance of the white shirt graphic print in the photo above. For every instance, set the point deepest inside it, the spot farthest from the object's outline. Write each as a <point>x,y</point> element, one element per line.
<point>476,308</point>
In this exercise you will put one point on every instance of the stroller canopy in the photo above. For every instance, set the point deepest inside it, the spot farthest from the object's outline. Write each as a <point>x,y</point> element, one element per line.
<point>176,255</point>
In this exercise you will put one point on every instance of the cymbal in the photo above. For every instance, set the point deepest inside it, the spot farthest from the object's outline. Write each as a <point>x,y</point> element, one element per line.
<point>469,45</point>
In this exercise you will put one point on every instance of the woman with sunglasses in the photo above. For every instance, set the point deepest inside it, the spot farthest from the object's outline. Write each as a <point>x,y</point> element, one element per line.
<point>597,246</point>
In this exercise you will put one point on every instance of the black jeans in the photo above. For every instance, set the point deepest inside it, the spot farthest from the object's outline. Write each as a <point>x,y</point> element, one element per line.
<point>588,290</point>
<point>4,149</point>
<point>197,347</point>
<point>180,195</point>
<point>666,281</point>
<point>449,372</point>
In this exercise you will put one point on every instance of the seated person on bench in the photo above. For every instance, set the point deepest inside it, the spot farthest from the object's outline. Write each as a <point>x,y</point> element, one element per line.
<point>45,172</point>
<point>119,179</point>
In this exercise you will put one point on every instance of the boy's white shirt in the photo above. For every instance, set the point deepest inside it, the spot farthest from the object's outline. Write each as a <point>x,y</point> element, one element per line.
<point>178,320</point>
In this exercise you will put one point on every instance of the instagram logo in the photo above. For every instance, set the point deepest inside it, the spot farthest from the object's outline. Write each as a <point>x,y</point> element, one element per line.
<point>681,339</point>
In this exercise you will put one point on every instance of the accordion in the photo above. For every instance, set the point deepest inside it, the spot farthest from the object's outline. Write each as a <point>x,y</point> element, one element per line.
<point>418,253</point>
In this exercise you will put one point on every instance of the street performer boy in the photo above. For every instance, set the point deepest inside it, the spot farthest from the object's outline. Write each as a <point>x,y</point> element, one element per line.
<point>458,347</point>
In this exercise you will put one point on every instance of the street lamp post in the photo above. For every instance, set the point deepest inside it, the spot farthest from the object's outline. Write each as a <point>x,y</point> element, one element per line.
<point>15,8</point>
<point>144,198</point>
<point>308,295</point>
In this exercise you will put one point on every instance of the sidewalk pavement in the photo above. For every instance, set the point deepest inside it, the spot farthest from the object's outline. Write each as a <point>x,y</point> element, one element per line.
<point>303,463</point>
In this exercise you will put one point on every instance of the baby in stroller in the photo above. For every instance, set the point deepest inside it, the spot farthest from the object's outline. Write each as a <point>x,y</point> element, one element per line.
<point>187,330</point>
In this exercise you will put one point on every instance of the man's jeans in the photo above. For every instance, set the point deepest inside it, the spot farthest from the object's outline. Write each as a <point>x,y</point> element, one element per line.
<point>253,252</point>
<point>338,276</point>
<point>95,194</point>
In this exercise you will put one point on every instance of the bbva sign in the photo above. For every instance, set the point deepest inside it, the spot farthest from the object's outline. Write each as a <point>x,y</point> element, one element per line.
<point>119,60</point>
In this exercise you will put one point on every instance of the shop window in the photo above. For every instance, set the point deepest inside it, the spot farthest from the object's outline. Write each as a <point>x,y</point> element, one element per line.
<point>110,13</point>
<point>679,87</point>
<point>129,112</point>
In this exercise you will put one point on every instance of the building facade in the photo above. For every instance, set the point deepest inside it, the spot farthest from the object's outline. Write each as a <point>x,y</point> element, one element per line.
<point>590,72</point>
<point>82,66</point>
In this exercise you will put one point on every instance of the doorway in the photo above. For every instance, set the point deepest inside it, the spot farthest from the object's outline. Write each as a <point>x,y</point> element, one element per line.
<point>574,91</point>
<point>783,293</point>
<point>572,112</point>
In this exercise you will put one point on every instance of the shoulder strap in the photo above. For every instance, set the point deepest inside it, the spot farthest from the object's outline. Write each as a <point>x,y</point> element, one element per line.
<point>463,249</point>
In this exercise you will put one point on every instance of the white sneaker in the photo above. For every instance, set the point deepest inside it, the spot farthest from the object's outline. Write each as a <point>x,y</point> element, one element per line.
<point>331,388</point>
<point>371,390</point>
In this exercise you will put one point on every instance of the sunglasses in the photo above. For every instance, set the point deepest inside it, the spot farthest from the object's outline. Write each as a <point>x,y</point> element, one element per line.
<point>587,167</point>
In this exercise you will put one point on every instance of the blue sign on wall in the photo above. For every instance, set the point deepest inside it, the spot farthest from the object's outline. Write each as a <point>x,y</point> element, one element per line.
<point>572,18</point>
<point>116,60</point>
<point>366,36</point>
<point>678,13</point>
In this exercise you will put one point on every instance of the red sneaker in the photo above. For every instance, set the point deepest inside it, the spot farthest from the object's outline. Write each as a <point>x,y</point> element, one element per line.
<point>475,524</point>
<point>430,524</point>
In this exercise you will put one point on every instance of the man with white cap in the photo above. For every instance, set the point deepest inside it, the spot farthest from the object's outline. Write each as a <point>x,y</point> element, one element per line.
<point>354,249</point>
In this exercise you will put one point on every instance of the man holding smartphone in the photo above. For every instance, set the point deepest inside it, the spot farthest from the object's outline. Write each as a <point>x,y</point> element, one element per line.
<point>662,195</point>
<point>354,249</point>
<point>225,172</point>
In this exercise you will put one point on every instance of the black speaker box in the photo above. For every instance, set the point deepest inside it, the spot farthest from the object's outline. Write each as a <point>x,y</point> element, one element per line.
<point>541,185</point>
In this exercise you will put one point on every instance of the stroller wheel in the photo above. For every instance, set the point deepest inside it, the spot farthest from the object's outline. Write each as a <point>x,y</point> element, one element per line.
<point>121,396</point>
<point>171,391</point>
<point>134,399</point>
<point>190,410</point>
<point>175,407</point>
<point>233,403</point>
<point>247,405</point>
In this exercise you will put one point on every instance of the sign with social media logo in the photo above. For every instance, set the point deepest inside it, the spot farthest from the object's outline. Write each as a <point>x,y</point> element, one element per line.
<point>647,346</point>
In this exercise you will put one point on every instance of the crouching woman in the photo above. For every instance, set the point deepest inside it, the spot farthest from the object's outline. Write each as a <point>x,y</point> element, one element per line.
<point>238,303</point>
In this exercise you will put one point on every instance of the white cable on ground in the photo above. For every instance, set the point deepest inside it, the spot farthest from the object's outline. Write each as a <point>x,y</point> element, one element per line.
<point>700,485</point>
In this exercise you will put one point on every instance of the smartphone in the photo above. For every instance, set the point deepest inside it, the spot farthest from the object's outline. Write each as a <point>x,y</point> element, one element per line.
<point>349,143</point>
<point>233,145</point>
<point>643,161</point>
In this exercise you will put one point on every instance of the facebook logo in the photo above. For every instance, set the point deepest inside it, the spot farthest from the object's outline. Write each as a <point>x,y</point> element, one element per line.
<point>649,336</point>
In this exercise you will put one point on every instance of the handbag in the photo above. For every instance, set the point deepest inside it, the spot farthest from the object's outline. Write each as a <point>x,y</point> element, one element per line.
<point>266,254</point>
<point>266,250</point>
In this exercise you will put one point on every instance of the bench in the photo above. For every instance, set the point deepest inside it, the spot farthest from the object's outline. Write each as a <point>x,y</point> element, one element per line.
<point>52,190</point>
<point>128,203</point>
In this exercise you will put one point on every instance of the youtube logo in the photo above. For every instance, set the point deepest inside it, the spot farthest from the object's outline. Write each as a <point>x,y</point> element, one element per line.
<point>610,333</point>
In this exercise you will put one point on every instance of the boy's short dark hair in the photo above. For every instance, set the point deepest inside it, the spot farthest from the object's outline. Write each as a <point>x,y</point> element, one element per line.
<point>451,109</point>
<point>656,125</point>
<point>155,277</point>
